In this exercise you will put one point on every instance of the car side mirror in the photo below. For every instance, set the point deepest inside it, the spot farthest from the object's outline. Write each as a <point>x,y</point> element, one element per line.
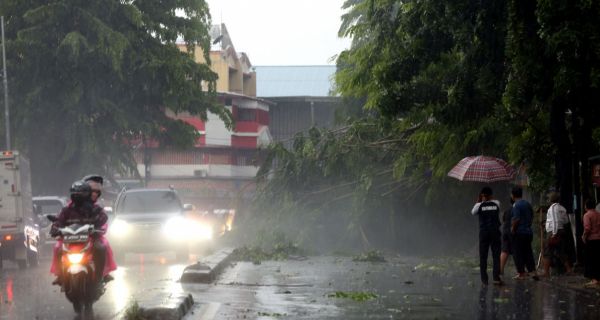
<point>188,207</point>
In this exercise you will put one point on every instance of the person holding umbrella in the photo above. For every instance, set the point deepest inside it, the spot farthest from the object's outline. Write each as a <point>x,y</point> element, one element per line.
<point>488,211</point>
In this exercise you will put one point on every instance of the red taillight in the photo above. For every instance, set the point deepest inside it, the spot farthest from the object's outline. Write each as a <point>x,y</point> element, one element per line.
<point>8,237</point>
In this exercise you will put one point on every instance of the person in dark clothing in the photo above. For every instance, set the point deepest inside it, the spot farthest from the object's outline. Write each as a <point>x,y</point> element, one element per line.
<point>506,246</point>
<point>522,217</point>
<point>80,211</point>
<point>488,211</point>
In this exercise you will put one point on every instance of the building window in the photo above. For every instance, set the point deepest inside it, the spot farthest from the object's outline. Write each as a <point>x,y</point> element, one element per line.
<point>227,102</point>
<point>246,114</point>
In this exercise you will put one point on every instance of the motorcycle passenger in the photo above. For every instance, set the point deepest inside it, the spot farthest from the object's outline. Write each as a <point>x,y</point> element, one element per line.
<point>96,183</point>
<point>81,210</point>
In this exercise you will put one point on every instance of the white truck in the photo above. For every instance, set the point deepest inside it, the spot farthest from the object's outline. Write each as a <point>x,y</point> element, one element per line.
<point>19,230</point>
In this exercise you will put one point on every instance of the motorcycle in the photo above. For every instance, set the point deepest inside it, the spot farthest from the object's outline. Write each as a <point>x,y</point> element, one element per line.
<point>79,281</point>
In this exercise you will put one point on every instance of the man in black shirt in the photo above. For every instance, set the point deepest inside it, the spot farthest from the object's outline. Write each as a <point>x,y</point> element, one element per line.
<point>488,211</point>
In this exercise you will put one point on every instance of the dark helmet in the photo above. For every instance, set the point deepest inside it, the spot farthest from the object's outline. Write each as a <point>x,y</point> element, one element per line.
<point>80,191</point>
<point>93,177</point>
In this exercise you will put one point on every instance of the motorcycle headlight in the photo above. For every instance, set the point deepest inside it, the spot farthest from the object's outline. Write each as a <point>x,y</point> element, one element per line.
<point>119,228</point>
<point>75,258</point>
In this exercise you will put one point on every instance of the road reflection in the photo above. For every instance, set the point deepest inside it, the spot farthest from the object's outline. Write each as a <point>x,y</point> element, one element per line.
<point>150,279</point>
<point>120,292</point>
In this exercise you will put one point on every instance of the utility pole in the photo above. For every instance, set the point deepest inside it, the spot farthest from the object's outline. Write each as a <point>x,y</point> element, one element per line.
<point>5,80</point>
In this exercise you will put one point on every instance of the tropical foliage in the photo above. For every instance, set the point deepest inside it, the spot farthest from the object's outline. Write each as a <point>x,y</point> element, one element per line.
<point>86,78</point>
<point>442,80</point>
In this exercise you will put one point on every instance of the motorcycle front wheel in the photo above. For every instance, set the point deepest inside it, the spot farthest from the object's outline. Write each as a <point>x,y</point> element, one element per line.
<point>78,286</point>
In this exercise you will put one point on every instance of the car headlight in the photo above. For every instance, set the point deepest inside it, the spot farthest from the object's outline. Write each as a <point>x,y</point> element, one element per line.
<point>180,228</point>
<point>75,258</point>
<point>202,231</point>
<point>119,228</point>
<point>175,228</point>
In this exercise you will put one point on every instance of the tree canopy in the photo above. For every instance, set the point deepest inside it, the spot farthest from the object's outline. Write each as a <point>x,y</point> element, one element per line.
<point>442,80</point>
<point>86,78</point>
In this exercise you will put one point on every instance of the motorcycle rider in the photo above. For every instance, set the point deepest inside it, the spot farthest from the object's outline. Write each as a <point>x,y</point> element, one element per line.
<point>81,210</point>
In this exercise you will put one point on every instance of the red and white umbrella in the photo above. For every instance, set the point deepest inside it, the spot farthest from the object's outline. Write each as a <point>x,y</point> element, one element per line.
<point>482,169</point>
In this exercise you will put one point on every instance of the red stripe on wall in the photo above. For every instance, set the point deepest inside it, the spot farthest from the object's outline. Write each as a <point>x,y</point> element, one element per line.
<point>262,117</point>
<point>243,142</point>
<point>246,126</point>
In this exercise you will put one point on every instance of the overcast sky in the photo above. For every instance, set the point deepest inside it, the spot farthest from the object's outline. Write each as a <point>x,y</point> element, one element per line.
<point>282,32</point>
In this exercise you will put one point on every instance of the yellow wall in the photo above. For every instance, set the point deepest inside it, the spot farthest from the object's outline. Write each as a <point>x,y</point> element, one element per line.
<point>229,71</point>
<point>250,84</point>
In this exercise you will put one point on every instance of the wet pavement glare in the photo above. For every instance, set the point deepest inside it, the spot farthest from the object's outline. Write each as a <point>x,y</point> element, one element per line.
<point>406,288</point>
<point>311,288</point>
<point>150,279</point>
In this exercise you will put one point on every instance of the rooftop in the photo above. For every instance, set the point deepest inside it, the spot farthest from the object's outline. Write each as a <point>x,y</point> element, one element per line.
<point>293,81</point>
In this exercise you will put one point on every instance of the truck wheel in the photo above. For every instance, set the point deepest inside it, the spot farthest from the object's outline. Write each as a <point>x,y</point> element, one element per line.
<point>33,258</point>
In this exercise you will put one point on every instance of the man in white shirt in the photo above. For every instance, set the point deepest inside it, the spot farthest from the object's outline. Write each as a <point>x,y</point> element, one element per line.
<point>555,244</point>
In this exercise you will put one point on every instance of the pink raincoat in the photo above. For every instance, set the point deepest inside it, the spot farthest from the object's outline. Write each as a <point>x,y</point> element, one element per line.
<point>109,265</point>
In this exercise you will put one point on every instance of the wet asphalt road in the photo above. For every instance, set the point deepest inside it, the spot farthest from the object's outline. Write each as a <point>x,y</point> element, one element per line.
<point>149,279</point>
<point>405,288</point>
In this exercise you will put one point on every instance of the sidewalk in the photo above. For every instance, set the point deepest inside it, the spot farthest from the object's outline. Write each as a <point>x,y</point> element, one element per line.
<point>573,282</point>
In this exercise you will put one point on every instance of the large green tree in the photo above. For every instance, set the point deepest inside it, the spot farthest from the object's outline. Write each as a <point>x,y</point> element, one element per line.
<point>89,77</point>
<point>431,74</point>
<point>554,81</point>
<point>442,80</point>
<point>434,68</point>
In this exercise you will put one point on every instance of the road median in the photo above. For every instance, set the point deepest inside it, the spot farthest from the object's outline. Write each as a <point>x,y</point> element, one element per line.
<point>206,270</point>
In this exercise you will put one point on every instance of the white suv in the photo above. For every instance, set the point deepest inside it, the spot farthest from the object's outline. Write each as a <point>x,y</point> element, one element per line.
<point>154,220</point>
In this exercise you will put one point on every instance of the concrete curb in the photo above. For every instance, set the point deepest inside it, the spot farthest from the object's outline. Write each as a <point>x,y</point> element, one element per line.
<point>177,312</point>
<point>208,269</point>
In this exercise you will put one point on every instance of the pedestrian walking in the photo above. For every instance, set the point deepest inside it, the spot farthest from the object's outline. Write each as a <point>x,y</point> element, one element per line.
<point>488,211</point>
<point>591,239</point>
<point>555,244</point>
<point>522,216</point>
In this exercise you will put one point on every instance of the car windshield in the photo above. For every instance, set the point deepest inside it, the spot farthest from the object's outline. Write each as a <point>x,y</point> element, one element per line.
<point>49,206</point>
<point>150,202</point>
